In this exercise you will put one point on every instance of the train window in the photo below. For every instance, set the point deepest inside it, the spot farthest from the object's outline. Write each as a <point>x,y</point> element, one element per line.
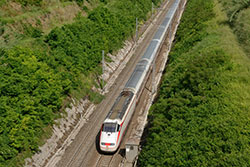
<point>109,127</point>
<point>118,128</point>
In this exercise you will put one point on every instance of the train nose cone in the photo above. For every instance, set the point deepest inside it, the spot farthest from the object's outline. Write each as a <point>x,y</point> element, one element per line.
<point>108,137</point>
<point>108,142</point>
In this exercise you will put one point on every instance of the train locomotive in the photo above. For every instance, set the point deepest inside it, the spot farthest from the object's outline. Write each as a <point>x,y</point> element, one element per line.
<point>118,118</point>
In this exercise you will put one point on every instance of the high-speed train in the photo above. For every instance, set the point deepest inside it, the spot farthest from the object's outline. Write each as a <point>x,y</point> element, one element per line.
<point>118,118</point>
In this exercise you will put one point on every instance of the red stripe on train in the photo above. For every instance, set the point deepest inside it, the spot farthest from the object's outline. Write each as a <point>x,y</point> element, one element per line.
<point>124,120</point>
<point>118,137</point>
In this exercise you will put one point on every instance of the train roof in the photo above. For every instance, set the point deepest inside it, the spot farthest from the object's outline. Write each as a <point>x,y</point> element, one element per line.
<point>119,108</point>
<point>149,55</point>
<point>137,74</point>
<point>173,8</point>
<point>151,50</point>
<point>165,21</point>
<point>162,29</point>
<point>121,104</point>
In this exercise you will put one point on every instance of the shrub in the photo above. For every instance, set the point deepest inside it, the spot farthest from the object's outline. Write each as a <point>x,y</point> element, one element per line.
<point>29,2</point>
<point>30,94</point>
<point>195,121</point>
<point>33,83</point>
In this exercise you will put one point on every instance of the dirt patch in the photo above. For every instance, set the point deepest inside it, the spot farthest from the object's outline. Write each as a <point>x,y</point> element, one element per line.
<point>11,9</point>
<point>43,19</point>
<point>57,17</point>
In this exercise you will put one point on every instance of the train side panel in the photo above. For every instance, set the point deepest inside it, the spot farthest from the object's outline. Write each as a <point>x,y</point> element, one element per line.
<point>125,124</point>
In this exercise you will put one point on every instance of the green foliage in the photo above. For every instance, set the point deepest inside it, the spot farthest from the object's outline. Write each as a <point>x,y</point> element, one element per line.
<point>76,48</point>
<point>33,83</point>
<point>29,2</point>
<point>242,29</point>
<point>192,28</point>
<point>3,2</point>
<point>79,2</point>
<point>238,12</point>
<point>40,2</point>
<point>85,8</point>
<point>197,119</point>
<point>30,94</point>
<point>31,31</point>
<point>234,7</point>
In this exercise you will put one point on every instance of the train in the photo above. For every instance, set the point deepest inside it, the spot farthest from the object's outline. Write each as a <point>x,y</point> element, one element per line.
<point>119,116</point>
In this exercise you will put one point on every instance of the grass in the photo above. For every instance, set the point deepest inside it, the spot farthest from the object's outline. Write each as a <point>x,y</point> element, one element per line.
<point>242,29</point>
<point>86,89</point>
<point>238,13</point>
<point>239,79</point>
<point>210,128</point>
<point>45,18</point>
<point>241,74</point>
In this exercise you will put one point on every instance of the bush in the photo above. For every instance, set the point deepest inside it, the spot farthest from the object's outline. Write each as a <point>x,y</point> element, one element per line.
<point>29,2</point>
<point>31,31</point>
<point>33,83</point>
<point>238,13</point>
<point>30,94</point>
<point>195,121</point>
<point>76,48</point>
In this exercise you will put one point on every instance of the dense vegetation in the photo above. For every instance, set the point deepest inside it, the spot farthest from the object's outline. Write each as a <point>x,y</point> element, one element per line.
<point>35,81</point>
<point>73,46</point>
<point>30,95</point>
<point>201,117</point>
<point>25,3</point>
<point>238,13</point>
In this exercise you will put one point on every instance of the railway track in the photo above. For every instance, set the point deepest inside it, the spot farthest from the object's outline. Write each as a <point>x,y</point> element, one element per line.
<point>84,151</point>
<point>105,161</point>
<point>97,116</point>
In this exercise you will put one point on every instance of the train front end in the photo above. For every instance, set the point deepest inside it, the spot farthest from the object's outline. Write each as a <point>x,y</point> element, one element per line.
<point>109,137</point>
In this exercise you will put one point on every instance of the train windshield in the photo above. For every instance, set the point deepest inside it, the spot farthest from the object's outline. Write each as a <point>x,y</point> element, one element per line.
<point>109,127</point>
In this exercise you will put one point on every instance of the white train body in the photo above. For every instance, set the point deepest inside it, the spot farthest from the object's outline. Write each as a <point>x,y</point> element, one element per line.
<point>117,120</point>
